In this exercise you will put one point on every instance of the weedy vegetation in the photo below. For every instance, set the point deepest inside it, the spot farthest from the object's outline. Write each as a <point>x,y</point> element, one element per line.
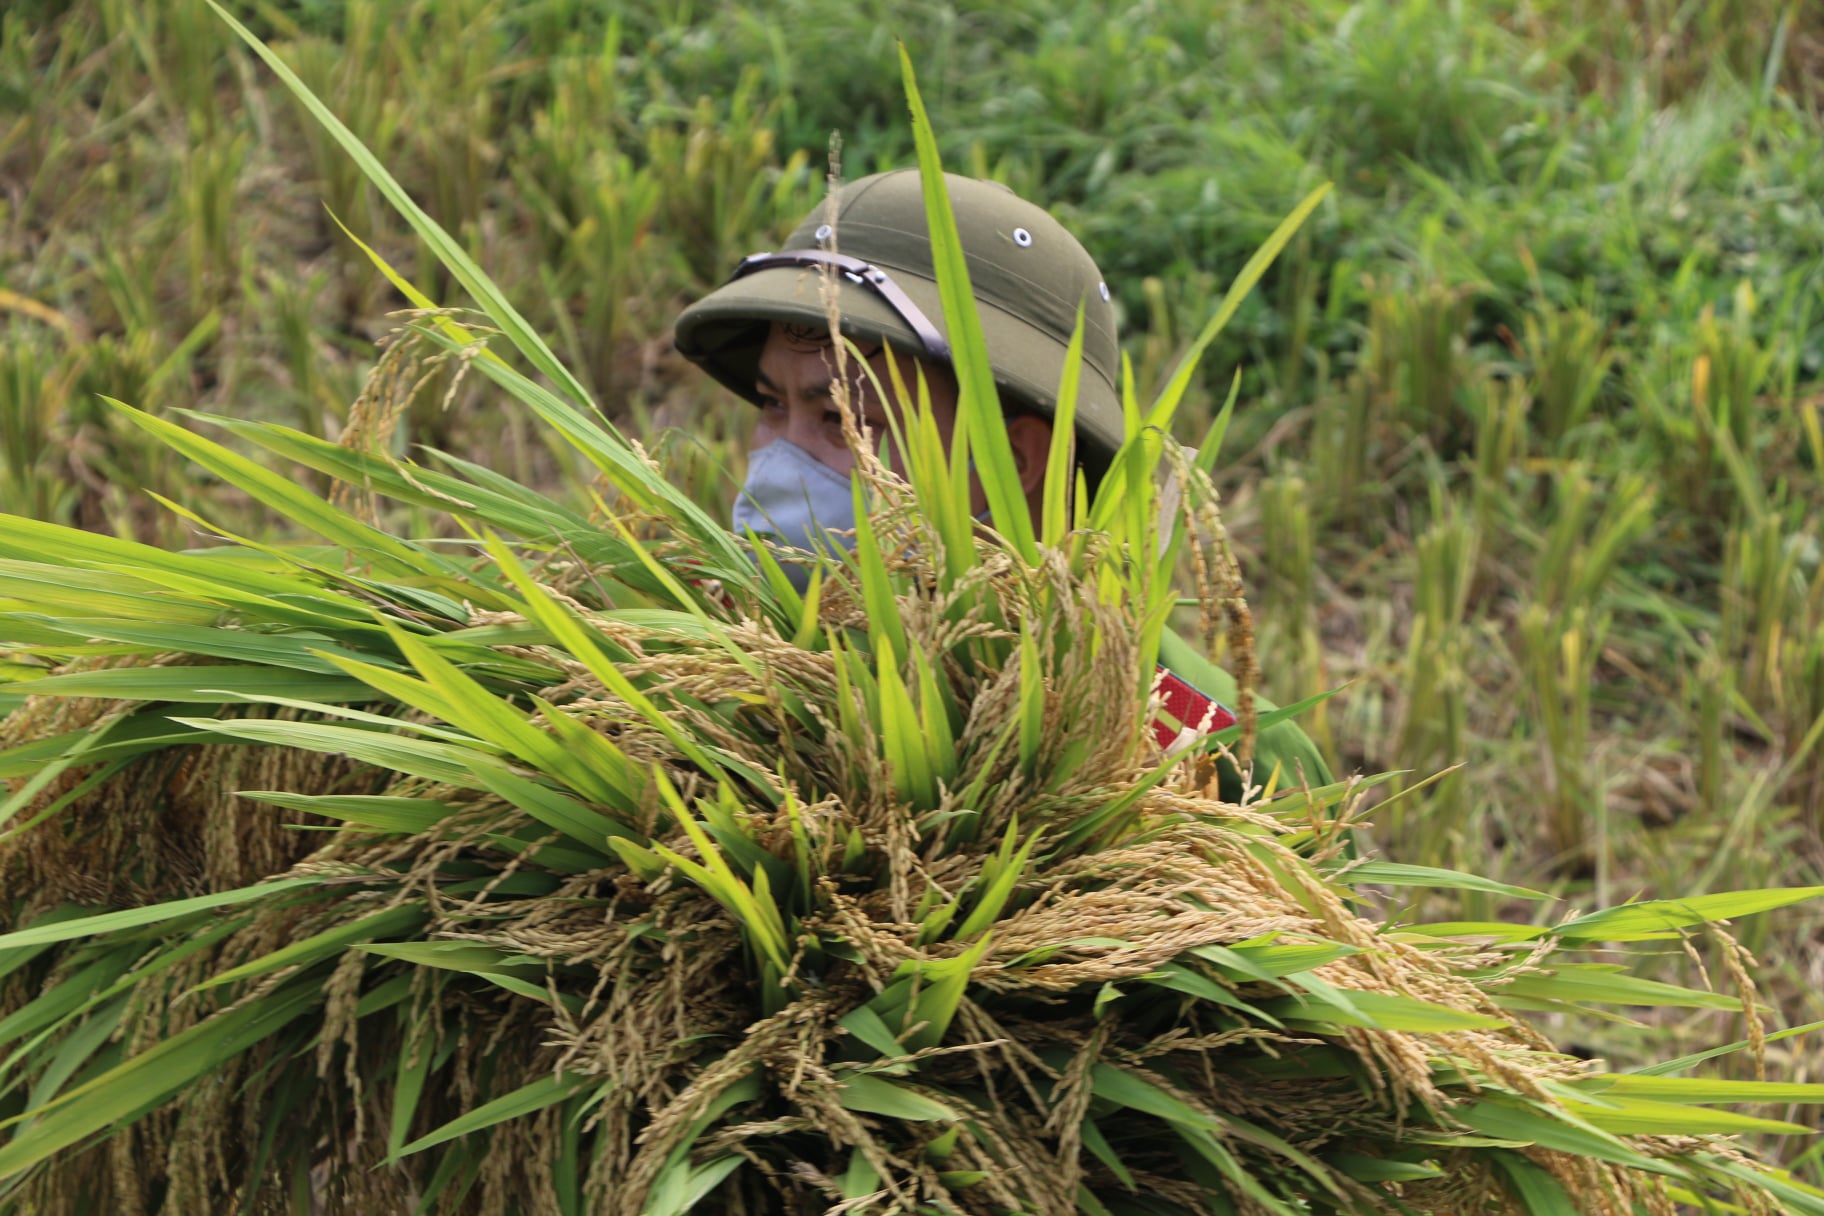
<point>1526,457</point>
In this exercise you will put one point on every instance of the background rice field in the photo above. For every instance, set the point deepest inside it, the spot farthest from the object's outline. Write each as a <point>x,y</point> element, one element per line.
<point>1532,424</point>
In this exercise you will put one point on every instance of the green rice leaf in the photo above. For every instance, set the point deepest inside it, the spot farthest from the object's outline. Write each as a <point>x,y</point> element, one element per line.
<point>1395,874</point>
<point>805,635</point>
<point>590,432</point>
<point>74,593</point>
<point>1109,817</point>
<point>866,1025</point>
<point>583,645</point>
<point>150,914</point>
<point>645,864</point>
<point>902,736</point>
<point>149,1078</point>
<point>1534,1187</point>
<point>567,1170</point>
<point>450,1183</point>
<point>1658,917</point>
<point>1180,978</point>
<point>979,402</point>
<point>68,997</point>
<point>875,1095</point>
<point>1501,931</point>
<point>407,816</point>
<point>1007,876</point>
<point>471,958</point>
<point>1032,700</point>
<point>757,914</point>
<point>1054,515</point>
<point>1097,1143</point>
<point>1217,1154</point>
<point>587,827</point>
<point>1124,1088</point>
<point>203,684</point>
<point>1684,1062</point>
<point>1377,1011</point>
<point>525,514</point>
<point>785,596</point>
<point>1211,445</point>
<point>74,1051</point>
<point>940,1150</point>
<point>1232,734</point>
<point>237,646</point>
<point>1592,982</point>
<point>291,500</point>
<point>693,1183</point>
<point>939,473</point>
<point>934,715</point>
<point>1629,1116</point>
<point>612,773</point>
<point>679,1183</point>
<point>448,251</point>
<point>90,783</point>
<point>526,1100</point>
<point>1245,279</point>
<point>729,827</point>
<point>331,942</point>
<point>1700,1090</point>
<point>468,704</point>
<point>861,1178</point>
<point>15,959</point>
<point>670,584</point>
<point>1798,1197</point>
<point>121,963</point>
<point>886,630</point>
<point>1364,1168</point>
<point>53,767</point>
<point>33,540</point>
<point>1515,1119</point>
<point>919,1003</point>
<point>434,761</point>
<point>406,287</point>
<point>414,1070</point>
<point>1267,962</point>
<point>611,454</point>
<point>1089,1204</point>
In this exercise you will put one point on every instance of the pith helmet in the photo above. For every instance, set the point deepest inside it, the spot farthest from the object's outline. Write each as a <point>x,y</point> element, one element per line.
<point>1029,276</point>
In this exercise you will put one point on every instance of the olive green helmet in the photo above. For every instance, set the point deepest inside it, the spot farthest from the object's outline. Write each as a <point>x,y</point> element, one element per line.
<point>1029,276</point>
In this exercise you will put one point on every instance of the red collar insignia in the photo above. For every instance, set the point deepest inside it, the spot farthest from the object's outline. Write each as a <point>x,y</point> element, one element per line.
<point>1185,713</point>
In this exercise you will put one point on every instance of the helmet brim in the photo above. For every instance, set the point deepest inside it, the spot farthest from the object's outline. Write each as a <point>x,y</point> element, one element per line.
<point>725,331</point>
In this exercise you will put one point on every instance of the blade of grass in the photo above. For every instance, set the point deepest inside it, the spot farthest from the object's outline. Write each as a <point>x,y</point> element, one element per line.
<point>979,404</point>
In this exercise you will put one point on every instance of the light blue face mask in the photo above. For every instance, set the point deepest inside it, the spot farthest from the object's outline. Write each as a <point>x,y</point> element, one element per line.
<point>792,497</point>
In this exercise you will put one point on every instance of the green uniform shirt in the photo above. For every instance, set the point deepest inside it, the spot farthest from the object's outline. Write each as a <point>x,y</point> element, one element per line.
<point>1282,743</point>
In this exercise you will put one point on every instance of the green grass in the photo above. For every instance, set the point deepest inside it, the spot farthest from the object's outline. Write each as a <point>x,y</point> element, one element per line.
<point>1529,448</point>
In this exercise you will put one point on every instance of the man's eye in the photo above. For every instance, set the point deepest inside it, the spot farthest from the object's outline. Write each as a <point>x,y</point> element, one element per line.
<point>872,422</point>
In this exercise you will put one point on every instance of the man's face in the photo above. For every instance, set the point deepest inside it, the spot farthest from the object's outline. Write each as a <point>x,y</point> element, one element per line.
<point>797,368</point>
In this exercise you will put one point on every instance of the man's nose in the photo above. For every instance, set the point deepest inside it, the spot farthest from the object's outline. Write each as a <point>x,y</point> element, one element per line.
<point>804,426</point>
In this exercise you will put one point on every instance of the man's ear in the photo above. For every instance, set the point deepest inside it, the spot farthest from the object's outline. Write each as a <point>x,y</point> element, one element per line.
<point>1030,436</point>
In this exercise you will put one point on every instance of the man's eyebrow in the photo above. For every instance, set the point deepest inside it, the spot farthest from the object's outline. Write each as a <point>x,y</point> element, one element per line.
<point>809,391</point>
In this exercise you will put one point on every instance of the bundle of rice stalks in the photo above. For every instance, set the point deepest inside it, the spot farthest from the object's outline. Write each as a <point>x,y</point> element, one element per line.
<point>590,867</point>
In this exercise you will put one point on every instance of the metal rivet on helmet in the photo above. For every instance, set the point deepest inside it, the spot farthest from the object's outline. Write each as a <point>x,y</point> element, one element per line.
<point>1103,288</point>
<point>1022,238</point>
<point>824,231</point>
